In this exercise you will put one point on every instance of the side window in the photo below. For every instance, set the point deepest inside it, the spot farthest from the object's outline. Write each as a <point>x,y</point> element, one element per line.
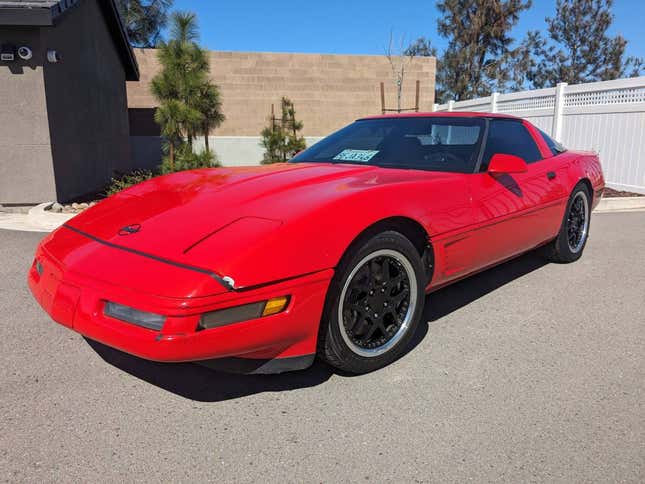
<point>555,147</point>
<point>512,138</point>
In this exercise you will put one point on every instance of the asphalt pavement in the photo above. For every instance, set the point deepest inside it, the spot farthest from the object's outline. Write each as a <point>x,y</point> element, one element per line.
<point>528,372</point>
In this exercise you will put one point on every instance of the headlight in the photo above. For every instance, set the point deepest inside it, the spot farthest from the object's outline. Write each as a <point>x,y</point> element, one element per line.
<point>236,314</point>
<point>134,316</point>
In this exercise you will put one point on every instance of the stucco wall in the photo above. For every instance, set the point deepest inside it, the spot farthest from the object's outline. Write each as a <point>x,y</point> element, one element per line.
<point>329,91</point>
<point>86,101</point>
<point>26,173</point>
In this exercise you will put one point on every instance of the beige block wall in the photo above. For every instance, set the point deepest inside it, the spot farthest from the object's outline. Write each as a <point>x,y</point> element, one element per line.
<point>329,91</point>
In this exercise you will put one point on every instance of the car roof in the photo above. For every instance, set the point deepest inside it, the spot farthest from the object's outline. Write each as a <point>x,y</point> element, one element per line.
<point>460,114</point>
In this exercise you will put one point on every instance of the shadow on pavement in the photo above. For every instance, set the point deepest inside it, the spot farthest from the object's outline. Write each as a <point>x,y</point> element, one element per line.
<point>199,383</point>
<point>462,293</point>
<point>202,384</point>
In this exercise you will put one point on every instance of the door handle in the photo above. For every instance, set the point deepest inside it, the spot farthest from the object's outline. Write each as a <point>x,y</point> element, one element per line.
<point>550,175</point>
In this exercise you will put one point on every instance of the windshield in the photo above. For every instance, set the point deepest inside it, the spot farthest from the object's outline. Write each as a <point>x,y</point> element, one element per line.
<point>448,144</point>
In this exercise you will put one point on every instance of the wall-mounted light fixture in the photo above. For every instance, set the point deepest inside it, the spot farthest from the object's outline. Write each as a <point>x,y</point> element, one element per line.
<point>25,53</point>
<point>7,53</point>
<point>53,56</point>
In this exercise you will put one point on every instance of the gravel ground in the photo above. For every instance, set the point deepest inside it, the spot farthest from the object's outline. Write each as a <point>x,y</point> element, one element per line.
<point>529,372</point>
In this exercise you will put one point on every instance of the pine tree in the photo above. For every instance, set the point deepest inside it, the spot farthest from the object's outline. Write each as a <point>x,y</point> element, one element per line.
<point>578,48</point>
<point>144,21</point>
<point>421,47</point>
<point>282,139</point>
<point>479,56</point>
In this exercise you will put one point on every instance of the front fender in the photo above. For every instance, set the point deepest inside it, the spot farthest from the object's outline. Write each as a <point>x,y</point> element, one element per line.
<point>257,251</point>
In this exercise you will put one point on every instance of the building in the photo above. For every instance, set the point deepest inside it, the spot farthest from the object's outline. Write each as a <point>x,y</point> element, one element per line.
<point>69,123</point>
<point>63,106</point>
<point>329,91</point>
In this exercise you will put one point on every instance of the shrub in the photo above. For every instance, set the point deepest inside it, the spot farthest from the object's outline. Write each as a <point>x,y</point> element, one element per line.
<point>187,159</point>
<point>122,181</point>
<point>282,139</point>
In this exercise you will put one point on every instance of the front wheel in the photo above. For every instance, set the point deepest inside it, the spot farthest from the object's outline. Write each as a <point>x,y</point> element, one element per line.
<point>373,305</point>
<point>574,231</point>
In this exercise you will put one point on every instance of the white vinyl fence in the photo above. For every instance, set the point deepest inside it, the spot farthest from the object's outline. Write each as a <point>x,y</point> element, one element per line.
<point>606,117</point>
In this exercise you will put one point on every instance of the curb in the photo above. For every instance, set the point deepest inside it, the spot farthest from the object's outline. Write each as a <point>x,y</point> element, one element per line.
<point>35,220</point>
<point>23,209</point>
<point>620,204</point>
<point>42,218</point>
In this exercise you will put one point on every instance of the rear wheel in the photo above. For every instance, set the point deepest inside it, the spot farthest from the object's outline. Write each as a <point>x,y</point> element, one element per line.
<point>373,305</point>
<point>574,232</point>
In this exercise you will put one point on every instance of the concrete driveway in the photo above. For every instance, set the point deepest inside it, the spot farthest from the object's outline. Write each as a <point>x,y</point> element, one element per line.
<point>525,373</point>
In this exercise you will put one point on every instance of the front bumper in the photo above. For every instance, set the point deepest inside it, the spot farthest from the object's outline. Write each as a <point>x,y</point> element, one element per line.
<point>77,301</point>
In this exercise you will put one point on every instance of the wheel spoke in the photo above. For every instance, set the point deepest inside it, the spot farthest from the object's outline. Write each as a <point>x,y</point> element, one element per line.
<point>397,298</point>
<point>357,316</point>
<point>385,270</point>
<point>376,324</point>
<point>394,281</point>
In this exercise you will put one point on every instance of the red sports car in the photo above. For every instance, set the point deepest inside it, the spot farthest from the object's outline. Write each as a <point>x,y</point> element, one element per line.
<point>331,254</point>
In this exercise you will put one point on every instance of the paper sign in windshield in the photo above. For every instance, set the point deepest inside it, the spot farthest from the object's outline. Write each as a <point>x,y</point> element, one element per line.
<point>362,156</point>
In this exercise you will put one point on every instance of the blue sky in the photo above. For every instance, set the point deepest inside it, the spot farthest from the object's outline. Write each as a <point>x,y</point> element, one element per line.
<point>357,26</point>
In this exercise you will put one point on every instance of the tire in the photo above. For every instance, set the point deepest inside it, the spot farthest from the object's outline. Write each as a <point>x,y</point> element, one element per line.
<point>568,247</point>
<point>385,274</point>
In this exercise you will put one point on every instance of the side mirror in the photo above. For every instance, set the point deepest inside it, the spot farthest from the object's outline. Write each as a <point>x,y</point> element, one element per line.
<point>501,163</point>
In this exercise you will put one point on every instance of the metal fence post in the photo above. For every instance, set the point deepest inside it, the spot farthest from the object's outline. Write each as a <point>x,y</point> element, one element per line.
<point>493,102</point>
<point>556,127</point>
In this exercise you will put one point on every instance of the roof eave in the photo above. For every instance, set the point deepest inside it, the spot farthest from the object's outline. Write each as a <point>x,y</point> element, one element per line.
<point>26,17</point>
<point>48,16</point>
<point>118,31</point>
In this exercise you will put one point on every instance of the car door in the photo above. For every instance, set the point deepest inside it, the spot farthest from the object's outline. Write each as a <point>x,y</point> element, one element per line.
<point>509,209</point>
<point>545,190</point>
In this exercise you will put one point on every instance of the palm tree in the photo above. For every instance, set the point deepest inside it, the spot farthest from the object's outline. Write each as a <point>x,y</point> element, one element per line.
<point>210,107</point>
<point>169,116</point>
<point>184,29</point>
<point>189,103</point>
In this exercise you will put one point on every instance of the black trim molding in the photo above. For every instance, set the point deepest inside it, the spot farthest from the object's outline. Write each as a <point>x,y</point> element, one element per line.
<point>181,265</point>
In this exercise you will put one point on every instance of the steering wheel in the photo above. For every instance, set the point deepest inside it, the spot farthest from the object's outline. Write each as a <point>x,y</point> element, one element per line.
<point>444,157</point>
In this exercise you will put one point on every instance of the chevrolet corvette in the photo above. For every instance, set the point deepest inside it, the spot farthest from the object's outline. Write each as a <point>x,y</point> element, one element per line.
<point>330,254</point>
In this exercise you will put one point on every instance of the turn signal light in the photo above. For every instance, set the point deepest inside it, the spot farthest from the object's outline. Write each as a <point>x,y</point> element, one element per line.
<point>275,305</point>
<point>237,314</point>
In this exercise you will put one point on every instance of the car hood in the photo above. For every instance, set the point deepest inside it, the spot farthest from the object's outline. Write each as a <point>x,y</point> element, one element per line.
<point>232,208</point>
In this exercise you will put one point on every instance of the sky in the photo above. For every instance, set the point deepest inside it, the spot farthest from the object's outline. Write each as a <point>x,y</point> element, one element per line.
<point>358,26</point>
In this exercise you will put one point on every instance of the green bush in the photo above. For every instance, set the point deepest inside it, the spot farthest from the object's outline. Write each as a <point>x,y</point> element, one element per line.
<point>123,181</point>
<point>186,159</point>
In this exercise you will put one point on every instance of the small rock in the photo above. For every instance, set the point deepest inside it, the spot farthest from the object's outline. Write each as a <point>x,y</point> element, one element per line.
<point>68,209</point>
<point>83,205</point>
<point>93,203</point>
<point>56,207</point>
<point>75,206</point>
